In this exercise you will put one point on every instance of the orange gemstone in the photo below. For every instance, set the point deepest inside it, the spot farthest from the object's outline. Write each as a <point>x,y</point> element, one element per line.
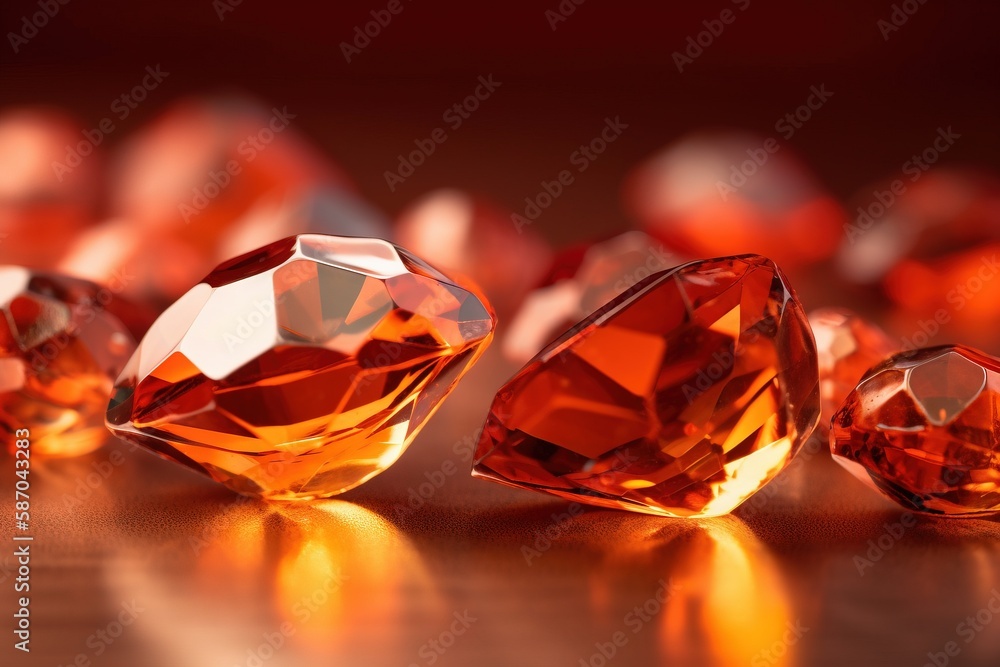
<point>847,345</point>
<point>302,369</point>
<point>681,397</point>
<point>61,347</point>
<point>922,429</point>
<point>475,239</point>
<point>582,280</point>
<point>713,194</point>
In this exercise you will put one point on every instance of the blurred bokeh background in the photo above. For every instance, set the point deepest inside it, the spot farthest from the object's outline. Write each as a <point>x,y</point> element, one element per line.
<point>585,120</point>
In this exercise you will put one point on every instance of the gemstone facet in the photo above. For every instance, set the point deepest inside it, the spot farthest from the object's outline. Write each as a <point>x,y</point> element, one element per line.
<point>582,280</point>
<point>681,397</point>
<point>921,429</point>
<point>847,345</point>
<point>302,369</point>
<point>61,346</point>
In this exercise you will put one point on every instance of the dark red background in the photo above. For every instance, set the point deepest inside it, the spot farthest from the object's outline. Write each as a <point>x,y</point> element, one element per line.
<point>608,58</point>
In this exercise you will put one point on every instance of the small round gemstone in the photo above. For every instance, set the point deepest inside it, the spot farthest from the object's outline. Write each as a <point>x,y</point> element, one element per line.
<point>921,428</point>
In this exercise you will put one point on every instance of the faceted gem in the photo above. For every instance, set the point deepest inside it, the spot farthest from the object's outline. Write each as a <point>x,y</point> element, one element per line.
<point>61,346</point>
<point>582,279</point>
<point>475,239</point>
<point>847,345</point>
<point>713,194</point>
<point>921,428</point>
<point>302,369</point>
<point>681,397</point>
<point>48,191</point>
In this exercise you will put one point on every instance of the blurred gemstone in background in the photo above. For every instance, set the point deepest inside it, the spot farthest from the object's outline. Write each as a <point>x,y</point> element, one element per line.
<point>928,245</point>
<point>472,238</point>
<point>583,278</point>
<point>61,347</point>
<point>729,193</point>
<point>209,179</point>
<point>49,190</point>
<point>847,345</point>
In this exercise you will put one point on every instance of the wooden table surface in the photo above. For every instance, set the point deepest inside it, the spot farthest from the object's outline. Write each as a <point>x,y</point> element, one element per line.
<point>140,563</point>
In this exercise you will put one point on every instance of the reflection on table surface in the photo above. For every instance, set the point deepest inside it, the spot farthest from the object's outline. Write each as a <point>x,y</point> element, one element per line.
<point>138,562</point>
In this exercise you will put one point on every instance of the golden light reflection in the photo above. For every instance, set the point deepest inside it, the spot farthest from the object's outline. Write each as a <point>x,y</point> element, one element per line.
<point>725,600</point>
<point>729,601</point>
<point>321,581</point>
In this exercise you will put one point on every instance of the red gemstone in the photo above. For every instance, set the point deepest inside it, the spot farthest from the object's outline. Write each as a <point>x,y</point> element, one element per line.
<point>922,429</point>
<point>681,397</point>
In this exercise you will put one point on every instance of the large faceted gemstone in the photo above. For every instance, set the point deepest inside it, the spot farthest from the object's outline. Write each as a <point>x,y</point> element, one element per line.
<point>302,369</point>
<point>922,429</point>
<point>62,344</point>
<point>681,397</point>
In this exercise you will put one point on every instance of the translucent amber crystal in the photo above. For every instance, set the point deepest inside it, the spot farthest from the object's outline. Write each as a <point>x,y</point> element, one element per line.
<point>582,279</point>
<point>61,346</point>
<point>922,429</point>
<point>847,346</point>
<point>681,397</point>
<point>302,369</point>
